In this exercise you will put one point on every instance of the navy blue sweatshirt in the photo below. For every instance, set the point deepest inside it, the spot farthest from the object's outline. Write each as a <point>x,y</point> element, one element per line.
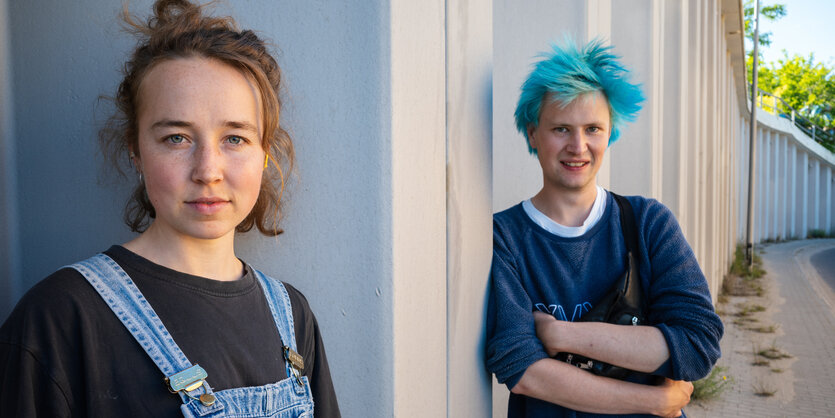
<point>534,269</point>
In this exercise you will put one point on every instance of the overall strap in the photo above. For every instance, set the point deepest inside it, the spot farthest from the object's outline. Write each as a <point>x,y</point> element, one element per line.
<point>130,306</point>
<point>627,224</point>
<point>279,302</point>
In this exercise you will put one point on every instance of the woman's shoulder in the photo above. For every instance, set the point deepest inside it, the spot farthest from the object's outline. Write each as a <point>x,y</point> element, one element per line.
<point>60,295</point>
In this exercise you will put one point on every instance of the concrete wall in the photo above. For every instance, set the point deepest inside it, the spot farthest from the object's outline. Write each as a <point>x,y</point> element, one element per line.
<point>9,249</point>
<point>336,59</point>
<point>469,58</point>
<point>793,182</point>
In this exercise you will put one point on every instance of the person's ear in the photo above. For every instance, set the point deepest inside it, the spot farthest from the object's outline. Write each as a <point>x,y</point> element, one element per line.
<point>531,136</point>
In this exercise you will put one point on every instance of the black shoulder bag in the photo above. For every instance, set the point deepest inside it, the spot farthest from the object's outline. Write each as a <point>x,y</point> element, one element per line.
<point>622,305</point>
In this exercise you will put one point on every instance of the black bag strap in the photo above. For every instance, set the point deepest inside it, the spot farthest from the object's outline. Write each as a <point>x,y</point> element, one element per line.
<point>627,224</point>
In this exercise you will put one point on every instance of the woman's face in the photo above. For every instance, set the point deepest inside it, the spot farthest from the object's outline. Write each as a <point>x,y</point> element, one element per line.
<point>200,147</point>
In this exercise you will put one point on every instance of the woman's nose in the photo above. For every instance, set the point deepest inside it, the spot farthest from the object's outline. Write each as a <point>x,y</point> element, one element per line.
<point>208,164</point>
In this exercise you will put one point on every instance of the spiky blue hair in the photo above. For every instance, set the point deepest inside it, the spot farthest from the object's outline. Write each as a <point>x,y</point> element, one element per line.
<point>568,72</point>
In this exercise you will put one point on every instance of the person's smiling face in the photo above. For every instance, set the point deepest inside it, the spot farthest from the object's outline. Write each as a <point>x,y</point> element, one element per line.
<point>570,141</point>
<point>200,152</point>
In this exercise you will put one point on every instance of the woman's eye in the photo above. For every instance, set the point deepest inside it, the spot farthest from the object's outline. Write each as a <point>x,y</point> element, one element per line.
<point>561,129</point>
<point>594,129</point>
<point>235,140</point>
<point>176,139</point>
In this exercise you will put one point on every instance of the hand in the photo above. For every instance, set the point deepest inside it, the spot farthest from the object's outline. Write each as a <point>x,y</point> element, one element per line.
<point>546,331</point>
<point>675,395</point>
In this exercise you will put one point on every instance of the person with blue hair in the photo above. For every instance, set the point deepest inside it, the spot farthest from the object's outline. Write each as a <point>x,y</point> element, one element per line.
<point>560,256</point>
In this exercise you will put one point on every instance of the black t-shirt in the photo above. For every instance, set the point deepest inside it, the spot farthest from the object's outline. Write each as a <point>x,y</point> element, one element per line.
<point>64,353</point>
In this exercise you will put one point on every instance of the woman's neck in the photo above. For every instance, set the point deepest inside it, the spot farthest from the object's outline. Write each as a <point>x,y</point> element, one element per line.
<point>210,258</point>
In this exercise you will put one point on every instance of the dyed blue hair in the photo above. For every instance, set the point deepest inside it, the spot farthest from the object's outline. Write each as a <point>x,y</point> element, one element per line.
<point>569,72</point>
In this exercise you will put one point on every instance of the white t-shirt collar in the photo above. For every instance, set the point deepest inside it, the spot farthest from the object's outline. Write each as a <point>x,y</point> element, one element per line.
<point>549,225</point>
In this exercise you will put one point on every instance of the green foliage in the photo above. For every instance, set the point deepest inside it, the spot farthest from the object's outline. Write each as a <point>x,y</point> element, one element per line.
<point>769,12</point>
<point>817,233</point>
<point>804,85</point>
<point>739,266</point>
<point>712,385</point>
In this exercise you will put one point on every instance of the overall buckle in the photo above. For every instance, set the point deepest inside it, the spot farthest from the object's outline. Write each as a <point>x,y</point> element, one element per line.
<point>189,380</point>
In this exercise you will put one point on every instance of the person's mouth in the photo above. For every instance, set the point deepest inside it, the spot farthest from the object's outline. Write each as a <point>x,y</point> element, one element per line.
<point>208,205</point>
<point>574,164</point>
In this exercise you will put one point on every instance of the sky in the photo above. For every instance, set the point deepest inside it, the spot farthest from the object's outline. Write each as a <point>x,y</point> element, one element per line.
<point>809,26</point>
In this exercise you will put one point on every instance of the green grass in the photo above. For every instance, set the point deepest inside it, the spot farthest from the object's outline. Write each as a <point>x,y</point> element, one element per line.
<point>770,329</point>
<point>746,309</point>
<point>817,233</point>
<point>712,385</point>
<point>773,352</point>
<point>764,389</point>
<point>740,266</point>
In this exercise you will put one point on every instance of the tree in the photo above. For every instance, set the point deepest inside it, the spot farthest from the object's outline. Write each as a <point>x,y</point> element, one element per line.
<point>804,85</point>
<point>770,12</point>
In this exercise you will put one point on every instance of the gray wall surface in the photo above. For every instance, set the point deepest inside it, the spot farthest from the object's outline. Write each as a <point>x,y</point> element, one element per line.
<point>9,259</point>
<point>336,248</point>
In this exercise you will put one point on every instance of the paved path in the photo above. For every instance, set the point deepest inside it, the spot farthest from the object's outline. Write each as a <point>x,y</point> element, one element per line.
<point>803,306</point>
<point>824,263</point>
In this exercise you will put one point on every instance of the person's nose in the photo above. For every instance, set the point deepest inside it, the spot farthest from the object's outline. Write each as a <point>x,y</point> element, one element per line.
<point>577,142</point>
<point>208,163</point>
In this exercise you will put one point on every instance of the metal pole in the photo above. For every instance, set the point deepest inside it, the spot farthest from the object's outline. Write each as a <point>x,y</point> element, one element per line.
<point>752,132</point>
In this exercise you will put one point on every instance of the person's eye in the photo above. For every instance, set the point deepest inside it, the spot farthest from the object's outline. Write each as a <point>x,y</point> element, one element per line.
<point>561,129</point>
<point>176,139</point>
<point>594,129</point>
<point>236,140</point>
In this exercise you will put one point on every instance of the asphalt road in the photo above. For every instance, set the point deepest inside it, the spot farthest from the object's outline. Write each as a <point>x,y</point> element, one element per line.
<point>824,263</point>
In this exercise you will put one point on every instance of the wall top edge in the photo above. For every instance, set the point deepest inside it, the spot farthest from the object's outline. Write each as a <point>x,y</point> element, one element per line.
<point>784,126</point>
<point>734,38</point>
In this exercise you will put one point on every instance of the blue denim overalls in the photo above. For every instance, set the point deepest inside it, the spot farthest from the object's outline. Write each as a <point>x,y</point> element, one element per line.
<point>289,398</point>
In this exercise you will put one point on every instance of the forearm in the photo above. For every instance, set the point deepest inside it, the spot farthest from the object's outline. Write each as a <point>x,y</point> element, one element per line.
<point>560,383</point>
<point>639,348</point>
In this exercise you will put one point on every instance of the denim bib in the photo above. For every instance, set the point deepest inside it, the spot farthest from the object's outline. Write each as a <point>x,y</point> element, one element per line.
<point>289,398</point>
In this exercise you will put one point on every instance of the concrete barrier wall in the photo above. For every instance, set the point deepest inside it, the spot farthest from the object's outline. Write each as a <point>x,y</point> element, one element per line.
<point>793,182</point>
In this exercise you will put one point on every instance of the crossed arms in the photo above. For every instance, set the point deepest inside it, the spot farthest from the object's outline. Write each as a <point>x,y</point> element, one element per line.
<point>640,348</point>
<point>682,344</point>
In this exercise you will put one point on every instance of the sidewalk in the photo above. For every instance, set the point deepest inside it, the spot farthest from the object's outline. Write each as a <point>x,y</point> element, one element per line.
<point>798,319</point>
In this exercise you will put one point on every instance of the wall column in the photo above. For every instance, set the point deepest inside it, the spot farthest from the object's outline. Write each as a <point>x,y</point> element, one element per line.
<point>827,199</point>
<point>793,190</point>
<point>775,184</point>
<point>804,197</point>
<point>816,191</point>
<point>784,183</point>
<point>759,207</point>
<point>767,185</point>
<point>418,181</point>
<point>469,62</point>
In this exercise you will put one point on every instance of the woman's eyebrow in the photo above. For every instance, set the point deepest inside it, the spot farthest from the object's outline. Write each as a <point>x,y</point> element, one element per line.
<point>241,125</point>
<point>168,123</point>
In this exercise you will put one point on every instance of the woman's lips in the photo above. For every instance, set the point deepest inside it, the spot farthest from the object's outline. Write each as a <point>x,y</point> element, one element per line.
<point>208,206</point>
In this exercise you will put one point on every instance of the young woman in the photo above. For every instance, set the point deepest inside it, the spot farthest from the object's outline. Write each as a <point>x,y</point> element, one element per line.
<point>172,323</point>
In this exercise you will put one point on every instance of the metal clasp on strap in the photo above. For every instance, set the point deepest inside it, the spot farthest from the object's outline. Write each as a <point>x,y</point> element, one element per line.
<point>190,380</point>
<point>296,363</point>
